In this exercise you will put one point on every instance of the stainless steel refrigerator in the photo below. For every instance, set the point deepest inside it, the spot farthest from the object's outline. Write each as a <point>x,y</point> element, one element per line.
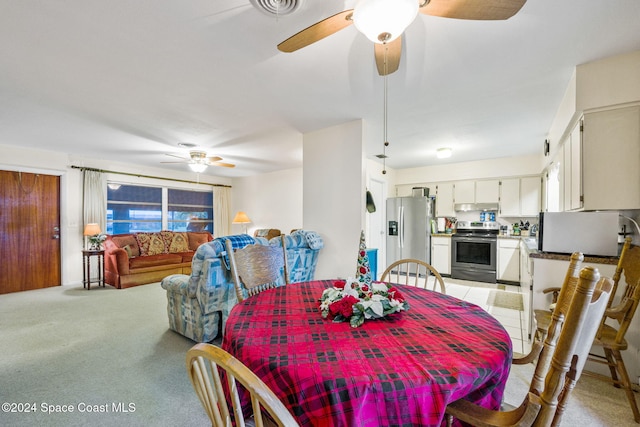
<point>408,228</point>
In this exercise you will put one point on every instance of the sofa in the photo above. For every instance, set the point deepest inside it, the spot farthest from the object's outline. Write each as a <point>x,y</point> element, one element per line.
<point>140,258</point>
<point>198,304</point>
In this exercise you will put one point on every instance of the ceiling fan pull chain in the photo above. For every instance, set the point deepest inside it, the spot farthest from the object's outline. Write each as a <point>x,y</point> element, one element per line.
<point>384,119</point>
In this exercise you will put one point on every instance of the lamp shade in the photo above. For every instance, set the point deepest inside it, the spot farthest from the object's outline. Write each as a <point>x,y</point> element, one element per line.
<point>383,21</point>
<point>241,218</point>
<point>92,229</point>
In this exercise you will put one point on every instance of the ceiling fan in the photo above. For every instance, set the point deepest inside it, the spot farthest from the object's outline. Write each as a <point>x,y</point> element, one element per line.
<point>384,21</point>
<point>198,161</point>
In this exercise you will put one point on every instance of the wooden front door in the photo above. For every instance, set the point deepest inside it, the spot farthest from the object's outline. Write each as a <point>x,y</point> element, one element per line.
<point>29,231</point>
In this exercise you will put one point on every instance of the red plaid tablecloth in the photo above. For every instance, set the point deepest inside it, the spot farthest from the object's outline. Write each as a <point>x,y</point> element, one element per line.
<point>398,371</point>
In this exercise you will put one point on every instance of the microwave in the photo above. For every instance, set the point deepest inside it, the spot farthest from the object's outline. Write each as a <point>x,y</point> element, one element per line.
<point>592,233</point>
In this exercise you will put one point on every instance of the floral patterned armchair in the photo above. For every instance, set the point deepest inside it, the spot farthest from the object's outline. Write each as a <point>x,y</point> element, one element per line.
<point>199,304</point>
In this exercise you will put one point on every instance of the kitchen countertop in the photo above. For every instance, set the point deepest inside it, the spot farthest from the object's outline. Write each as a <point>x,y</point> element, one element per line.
<point>531,245</point>
<point>442,235</point>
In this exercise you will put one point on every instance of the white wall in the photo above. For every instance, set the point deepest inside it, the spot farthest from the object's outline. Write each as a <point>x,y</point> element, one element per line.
<point>271,200</point>
<point>54,163</point>
<point>493,168</point>
<point>333,201</point>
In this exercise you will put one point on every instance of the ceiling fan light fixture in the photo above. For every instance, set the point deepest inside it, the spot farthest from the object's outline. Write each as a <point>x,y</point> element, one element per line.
<point>383,21</point>
<point>197,167</point>
<point>443,153</point>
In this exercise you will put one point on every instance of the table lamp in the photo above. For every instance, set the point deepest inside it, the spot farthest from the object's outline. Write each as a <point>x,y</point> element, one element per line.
<point>242,218</point>
<point>92,229</point>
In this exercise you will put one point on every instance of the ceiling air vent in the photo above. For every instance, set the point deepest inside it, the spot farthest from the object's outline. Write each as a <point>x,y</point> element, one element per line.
<point>277,7</point>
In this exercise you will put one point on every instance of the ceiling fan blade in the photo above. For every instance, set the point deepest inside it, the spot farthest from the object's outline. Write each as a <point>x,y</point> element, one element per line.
<point>224,165</point>
<point>179,157</point>
<point>392,56</point>
<point>317,31</point>
<point>473,9</point>
<point>214,159</point>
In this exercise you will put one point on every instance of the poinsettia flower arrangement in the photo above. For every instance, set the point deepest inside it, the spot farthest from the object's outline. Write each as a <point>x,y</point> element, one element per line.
<point>352,301</point>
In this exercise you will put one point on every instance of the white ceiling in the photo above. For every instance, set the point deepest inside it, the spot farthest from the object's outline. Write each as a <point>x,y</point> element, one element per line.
<point>128,80</point>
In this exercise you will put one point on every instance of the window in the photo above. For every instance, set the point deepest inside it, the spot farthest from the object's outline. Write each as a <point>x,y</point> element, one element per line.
<point>135,208</point>
<point>190,210</point>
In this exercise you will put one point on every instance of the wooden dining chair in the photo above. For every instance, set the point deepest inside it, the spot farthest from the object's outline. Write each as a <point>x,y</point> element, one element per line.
<point>256,268</point>
<point>414,272</point>
<point>571,333</point>
<point>543,316</point>
<point>612,339</point>
<point>203,363</point>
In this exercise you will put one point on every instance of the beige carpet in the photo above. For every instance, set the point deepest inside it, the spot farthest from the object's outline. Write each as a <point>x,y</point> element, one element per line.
<point>106,347</point>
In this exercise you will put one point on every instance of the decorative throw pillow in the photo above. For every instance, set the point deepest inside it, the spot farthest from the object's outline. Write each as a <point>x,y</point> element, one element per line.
<point>197,238</point>
<point>179,243</point>
<point>127,239</point>
<point>314,240</point>
<point>127,249</point>
<point>167,237</point>
<point>150,243</point>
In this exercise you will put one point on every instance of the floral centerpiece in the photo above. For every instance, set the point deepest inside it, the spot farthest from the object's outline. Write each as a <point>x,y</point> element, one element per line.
<point>354,302</point>
<point>96,241</point>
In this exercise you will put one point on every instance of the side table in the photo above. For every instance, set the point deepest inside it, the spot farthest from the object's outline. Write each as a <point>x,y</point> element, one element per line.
<point>86,263</point>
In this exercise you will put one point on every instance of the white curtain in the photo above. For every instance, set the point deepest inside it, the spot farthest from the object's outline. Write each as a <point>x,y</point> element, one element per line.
<point>221,211</point>
<point>95,199</point>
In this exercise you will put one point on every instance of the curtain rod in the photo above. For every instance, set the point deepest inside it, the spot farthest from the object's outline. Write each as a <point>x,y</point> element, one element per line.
<point>82,168</point>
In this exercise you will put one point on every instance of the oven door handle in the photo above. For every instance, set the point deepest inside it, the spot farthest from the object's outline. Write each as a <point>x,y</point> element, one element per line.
<point>473,239</point>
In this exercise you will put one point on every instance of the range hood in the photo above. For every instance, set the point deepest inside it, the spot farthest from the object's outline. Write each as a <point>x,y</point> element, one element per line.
<point>469,207</point>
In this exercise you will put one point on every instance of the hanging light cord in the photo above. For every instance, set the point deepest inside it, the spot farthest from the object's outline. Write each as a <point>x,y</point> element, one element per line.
<point>385,109</point>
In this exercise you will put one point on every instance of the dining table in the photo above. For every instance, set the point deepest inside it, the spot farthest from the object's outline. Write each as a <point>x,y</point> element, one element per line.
<point>399,370</point>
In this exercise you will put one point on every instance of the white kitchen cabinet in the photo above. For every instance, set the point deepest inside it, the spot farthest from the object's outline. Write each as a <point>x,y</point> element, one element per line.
<point>509,260</point>
<point>576,167</point>
<point>572,169</point>
<point>444,200</point>
<point>565,169</point>
<point>610,159</point>
<point>520,196</point>
<point>488,191</point>
<point>441,254</point>
<point>465,192</point>
<point>510,197</point>
<point>530,196</point>
<point>526,287</point>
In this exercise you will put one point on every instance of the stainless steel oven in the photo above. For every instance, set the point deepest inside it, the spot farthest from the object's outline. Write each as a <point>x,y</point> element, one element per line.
<point>474,251</point>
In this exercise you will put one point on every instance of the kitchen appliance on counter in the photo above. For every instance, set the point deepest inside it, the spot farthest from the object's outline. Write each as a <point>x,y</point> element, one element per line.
<point>408,228</point>
<point>592,233</point>
<point>474,251</point>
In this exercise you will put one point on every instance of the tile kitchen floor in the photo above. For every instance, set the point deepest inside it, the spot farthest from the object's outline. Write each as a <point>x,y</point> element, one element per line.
<point>514,320</point>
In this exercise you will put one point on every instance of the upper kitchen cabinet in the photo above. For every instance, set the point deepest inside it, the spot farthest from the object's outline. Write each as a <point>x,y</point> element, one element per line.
<point>465,192</point>
<point>571,166</point>
<point>481,191</point>
<point>510,197</point>
<point>488,191</point>
<point>530,195</point>
<point>520,197</point>
<point>611,159</point>
<point>444,199</point>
